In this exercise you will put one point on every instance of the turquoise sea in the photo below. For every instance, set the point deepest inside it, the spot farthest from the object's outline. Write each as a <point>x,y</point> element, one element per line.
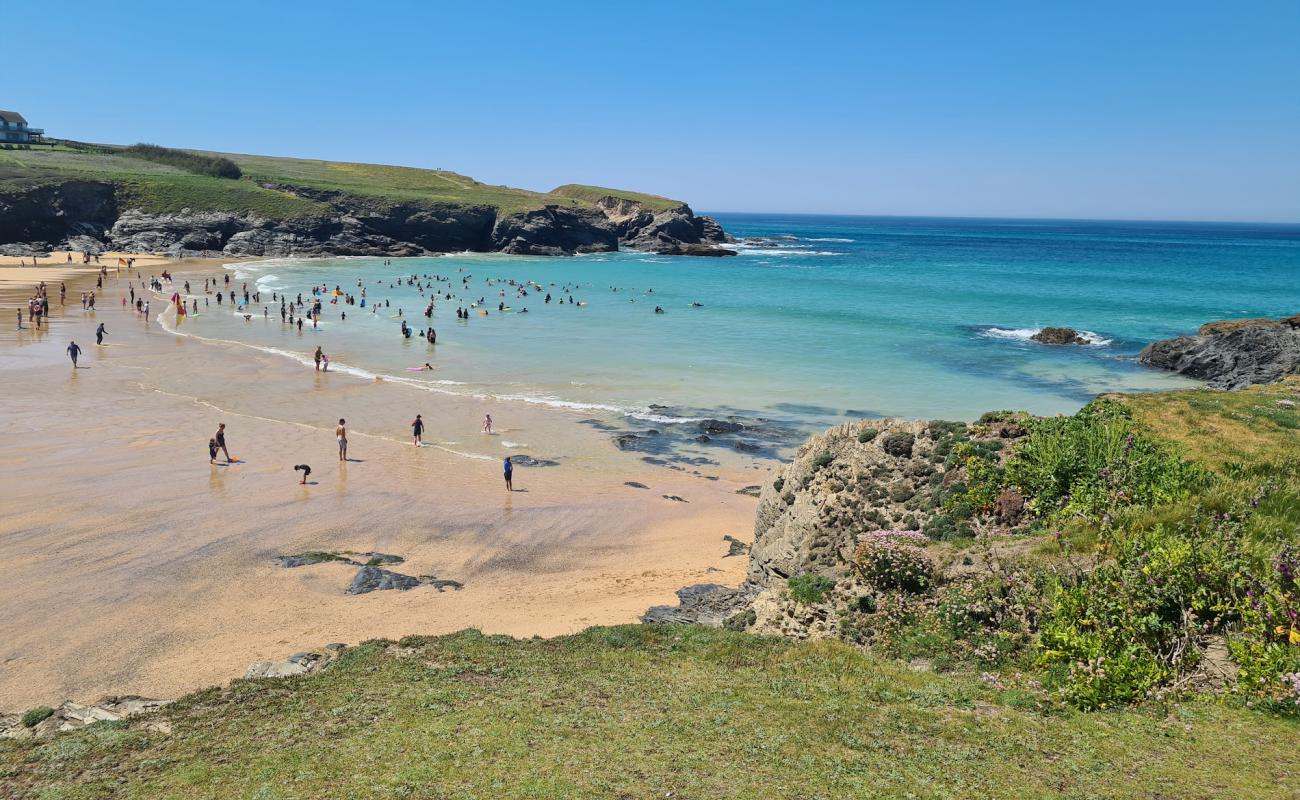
<point>818,320</point>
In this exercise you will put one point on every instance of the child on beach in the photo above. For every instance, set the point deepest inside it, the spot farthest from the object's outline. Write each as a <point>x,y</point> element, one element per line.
<point>212,451</point>
<point>306,470</point>
<point>487,423</point>
<point>220,439</point>
<point>509,472</point>
<point>417,428</point>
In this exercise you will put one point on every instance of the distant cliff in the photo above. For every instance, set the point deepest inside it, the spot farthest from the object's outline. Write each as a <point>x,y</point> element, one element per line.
<point>93,198</point>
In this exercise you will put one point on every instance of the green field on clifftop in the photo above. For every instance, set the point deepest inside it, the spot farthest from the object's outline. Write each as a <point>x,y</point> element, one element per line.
<point>158,188</point>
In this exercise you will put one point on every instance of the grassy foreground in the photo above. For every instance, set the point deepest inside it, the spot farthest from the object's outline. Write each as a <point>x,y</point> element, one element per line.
<point>650,711</point>
<point>161,188</point>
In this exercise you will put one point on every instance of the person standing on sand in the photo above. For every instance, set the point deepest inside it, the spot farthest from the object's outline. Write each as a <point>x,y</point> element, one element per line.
<point>73,352</point>
<point>341,433</point>
<point>417,430</point>
<point>221,442</point>
<point>510,473</point>
<point>487,423</point>
<point>99,333</point>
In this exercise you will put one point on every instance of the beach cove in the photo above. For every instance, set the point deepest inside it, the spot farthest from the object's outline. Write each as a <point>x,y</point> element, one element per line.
<point>132,566</point>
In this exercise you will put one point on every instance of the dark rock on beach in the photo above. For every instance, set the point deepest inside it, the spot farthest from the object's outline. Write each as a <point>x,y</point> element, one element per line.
<point>371,579</point>
<point>735,547</point>
<point>1232,353</point>
<point>528,461</point>
<point>703,604</point>
<point>635,485</point>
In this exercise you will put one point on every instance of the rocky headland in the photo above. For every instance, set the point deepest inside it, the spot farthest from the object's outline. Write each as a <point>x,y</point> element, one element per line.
<point>1231,354</point>
<point>96,216</point>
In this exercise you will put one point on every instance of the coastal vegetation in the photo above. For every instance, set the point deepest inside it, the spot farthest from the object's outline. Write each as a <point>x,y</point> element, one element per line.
<point>166,180</point>
<point>198,163</point>
<point>650,711</point>
<point>594,194</point>
<point>1142,549</point>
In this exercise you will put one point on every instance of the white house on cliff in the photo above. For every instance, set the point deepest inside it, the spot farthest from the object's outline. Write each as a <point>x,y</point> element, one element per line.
<point>14,130</point>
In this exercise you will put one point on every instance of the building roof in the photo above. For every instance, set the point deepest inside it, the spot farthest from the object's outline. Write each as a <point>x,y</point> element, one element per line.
<point>12,117</point>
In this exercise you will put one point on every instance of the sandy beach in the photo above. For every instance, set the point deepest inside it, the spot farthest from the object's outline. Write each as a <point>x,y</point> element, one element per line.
<point>129,565</point>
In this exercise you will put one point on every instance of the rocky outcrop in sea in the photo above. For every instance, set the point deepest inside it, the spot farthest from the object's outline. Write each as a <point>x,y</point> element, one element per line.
<point>1231,354</point>
<point>97,216</point>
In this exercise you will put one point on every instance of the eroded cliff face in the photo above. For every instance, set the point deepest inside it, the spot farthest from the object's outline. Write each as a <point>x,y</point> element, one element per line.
<point>674,231</point>
<point>53,212</point>
<point>95,216</point>
<point>843,484</point>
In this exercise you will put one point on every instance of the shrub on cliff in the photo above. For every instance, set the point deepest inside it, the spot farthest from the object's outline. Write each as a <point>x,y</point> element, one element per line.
<point>895,560</point>
<point>1083,465</point>
<point>215,166</point>
<point>898,444</point>
<point>810,589</point>
<point>1134,624</point>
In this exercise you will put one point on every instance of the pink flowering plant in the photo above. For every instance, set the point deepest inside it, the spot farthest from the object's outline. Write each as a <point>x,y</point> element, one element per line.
<point>895,560</point>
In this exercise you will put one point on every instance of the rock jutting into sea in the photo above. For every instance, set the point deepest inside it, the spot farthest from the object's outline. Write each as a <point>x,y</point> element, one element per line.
<point>97,216</point>
<point>1230,354</point>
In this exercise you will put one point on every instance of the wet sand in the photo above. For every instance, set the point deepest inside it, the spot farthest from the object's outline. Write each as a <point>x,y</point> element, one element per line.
<point>129,565</point>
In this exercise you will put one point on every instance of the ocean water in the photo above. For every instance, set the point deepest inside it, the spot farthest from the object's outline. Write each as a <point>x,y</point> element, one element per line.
<point>819,319</point>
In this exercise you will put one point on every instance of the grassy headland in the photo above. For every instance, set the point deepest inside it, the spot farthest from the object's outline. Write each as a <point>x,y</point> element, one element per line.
<point>160,186</point>
<point>592,194</point>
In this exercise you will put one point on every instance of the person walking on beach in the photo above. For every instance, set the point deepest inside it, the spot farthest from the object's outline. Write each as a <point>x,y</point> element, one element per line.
<point>212,451</point>
<point>73,352</point>
<point>487,423</point>
<point>341,433</point>
<point>417,430</point>
<point>318,356</point>
<point>99,333</point>
<point>510,473</point>
<point>221,442</point>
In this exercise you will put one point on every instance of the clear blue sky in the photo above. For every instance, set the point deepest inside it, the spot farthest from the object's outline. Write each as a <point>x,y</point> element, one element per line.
<point>1164,110</point>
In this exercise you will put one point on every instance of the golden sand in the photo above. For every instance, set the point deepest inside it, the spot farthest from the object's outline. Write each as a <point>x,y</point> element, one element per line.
<point>129,565</point>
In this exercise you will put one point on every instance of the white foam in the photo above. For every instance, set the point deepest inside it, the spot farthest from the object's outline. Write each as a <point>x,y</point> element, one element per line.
<point>828,239</point>
<point>643,414</point>
<point>1027,334</point>
<point>508,443</point>
<point>750,250</point>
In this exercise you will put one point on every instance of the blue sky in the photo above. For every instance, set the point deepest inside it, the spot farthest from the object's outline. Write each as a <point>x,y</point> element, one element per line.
<point>1157,110</point>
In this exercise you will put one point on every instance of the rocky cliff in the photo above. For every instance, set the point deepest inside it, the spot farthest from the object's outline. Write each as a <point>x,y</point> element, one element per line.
<point>99,215</point>
<point>1233,353</point>
<point>856,478</point>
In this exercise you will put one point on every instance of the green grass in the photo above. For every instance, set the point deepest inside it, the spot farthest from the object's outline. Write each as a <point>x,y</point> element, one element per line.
<point>650,711</point>
<point>1217,429</point>
<point>160,188</point>
<point>591,194</point>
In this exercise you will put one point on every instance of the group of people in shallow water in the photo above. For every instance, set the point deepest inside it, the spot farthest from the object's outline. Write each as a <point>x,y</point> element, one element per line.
<point>294,311</point>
